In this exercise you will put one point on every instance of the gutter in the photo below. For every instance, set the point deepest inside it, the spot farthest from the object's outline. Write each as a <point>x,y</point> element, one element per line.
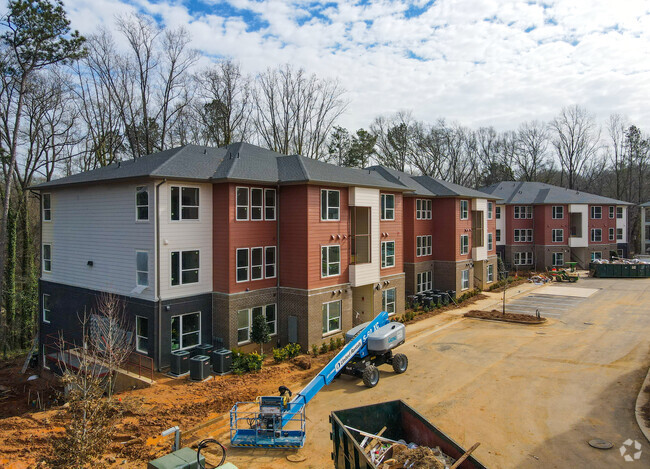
<point>158,318</point>
<point>277,262</point>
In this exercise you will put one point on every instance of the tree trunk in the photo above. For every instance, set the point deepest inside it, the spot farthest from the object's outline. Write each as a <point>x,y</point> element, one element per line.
<point>10,286</point>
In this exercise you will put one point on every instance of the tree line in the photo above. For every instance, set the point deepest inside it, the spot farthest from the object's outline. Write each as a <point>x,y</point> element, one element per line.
<point>70,103</point>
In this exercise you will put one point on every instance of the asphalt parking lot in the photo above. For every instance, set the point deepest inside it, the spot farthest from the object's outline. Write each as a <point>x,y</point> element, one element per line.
<point>531,395</point>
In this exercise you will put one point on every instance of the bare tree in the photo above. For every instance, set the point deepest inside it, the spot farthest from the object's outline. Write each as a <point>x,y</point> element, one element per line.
<point>616,149</point>
<point>396,139</point>
<point>531,150</point>
<point>429,154</point>
<point>576,139</point>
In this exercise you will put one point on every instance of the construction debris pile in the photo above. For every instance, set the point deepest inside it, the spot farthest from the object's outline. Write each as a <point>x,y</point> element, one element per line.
<point>621,261</point>
<point>416,457</point>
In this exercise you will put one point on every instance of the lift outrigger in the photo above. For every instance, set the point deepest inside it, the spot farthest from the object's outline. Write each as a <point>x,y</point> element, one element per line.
<point>280,423</point>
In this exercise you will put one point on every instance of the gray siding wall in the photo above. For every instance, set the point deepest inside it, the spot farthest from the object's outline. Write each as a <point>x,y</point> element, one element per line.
<point>97,223</point>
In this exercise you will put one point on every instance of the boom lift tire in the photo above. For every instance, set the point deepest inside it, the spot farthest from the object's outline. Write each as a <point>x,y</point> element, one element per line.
<point>370,376</point>
<point>400,363</point>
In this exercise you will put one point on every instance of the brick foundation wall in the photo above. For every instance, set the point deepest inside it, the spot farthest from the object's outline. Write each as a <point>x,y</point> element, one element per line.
<point>448,275</point>
<point>411,279</point>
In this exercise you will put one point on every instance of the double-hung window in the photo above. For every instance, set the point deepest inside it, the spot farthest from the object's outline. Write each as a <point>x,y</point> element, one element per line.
<point>612,211</point>
<point>596,255</point>
<point>270,313</point>
<point>423,245</point>
<point>523,211</point>
<point>558,258</point>
<point>619,212</point>
<point>142,268</point>
<point>330,204</point>
<point>245,321</point>
<point>269,262</point>
<point>243,326</point>
<point>141,334</point>
<point>331,317</point>
<point>596,212</point>
<point>558,235</point>
<point>241,203</point>
<point>387,207</point>
<point>388,301</point>
<point>464,209</point>
<point>523,258</point>
<point>497,213</point>
<point>330,261</point>
<point>423,209</point>
<point>257,203</point>
<point>269,204</point>
<point>242,264</point>
<point>490,245</point>
<point>257,260</point>
<point>523,236</point>
<point>186,331</point>
<point>464,279</point>
<point>185,267</point>
<point>184,203</point>
<point>47,258</point>
<point>490,273</point>
<point>490,210</point>
<point>47,207</point>
<point>387,254</point>
<point>619,234</point>
<point>141,203</point>
<point>424,281</point>
<point>464,244</point>
<point>46,308</point>
<point>558,212</point>
<point>498,235</point>
<point>596,235</point>
<point>612,234</point>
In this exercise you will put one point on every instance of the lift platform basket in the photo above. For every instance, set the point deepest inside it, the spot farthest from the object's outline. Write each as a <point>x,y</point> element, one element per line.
<point>260,424</point>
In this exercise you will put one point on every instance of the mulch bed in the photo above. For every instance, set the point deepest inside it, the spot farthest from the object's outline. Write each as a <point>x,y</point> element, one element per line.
<point>496,315</point>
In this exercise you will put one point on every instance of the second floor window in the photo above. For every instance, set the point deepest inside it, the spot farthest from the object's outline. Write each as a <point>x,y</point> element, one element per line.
<point>523,236</point>
<point>558,236</point>
<point>184,203</point>
<point>142,268</point>
<point>47,207</point>
<point>142,203</point>
<point>330,204</point>
<point>330,261</point>
<point>184,267</point>
<point>464,209</point>
<point>464,244</point>
<point>558,212</point>
<point>423,246</point>
<point>490,242</point>
<point>242,264</point>
<point>256,263</point>
<point>387,207</point>
<point>498,236</point>
<point>611,234</point>
<point>596,235</point>
<point>619,234</point>
<point>596,212</point>
<point>423,209</point>
<point>269,261</point>
<point>387,254</point>
<point>47,258</point>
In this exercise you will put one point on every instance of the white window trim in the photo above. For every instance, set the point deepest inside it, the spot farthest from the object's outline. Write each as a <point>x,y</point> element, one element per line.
<point>424,281</point>
<point>260,265</point>
<point>384,208</point>
<point>180,268</point>
<point>276,317</point>
<point>180,204</point>
<point>490,242</point>
<point>621,212</point>
<point>328,333</point>
<point>275,206</point>
<point>462,245</point>
<point>49,194</point>
<point>497,212</point>
<point>387,266</point>
<point>137,342</point>
<point>426,209</point>
<point>426,246</point>
<point>171,339</point>
<point>249,312</point>
<point>385,303</point>
<point>463,288</point>
<point>490,273</point>
<point>617,237</point>
<point>527,212</point>
<point>497,235</point>
<point>50,258</point>
<point>612,212</point>
<point>554,259</point>
<point>593,235</point>
<point>490,210</point>
<point>528,258</point>
<point>593,253</point>
<point>147,271</point>
<point>327,205</point>
<point>43,308</point>
<point>553,212</point>
<point>328,246</point>
<point>554,238</point>
<point>248,265</point>
<point>593,212</point>
<point>612,234</point>
<point>248,203</point>
<point>144,220</point>
<point>466,217</point>
<point>275,262</point>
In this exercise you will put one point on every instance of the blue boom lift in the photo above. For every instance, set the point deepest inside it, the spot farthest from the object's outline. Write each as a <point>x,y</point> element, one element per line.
<point>278,422</point>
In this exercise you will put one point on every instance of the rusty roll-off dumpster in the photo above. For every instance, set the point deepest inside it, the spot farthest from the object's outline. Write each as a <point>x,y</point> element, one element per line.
<point>401,422</point>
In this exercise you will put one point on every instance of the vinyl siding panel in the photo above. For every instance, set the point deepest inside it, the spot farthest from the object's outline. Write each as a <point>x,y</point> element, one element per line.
<point>97,223</point>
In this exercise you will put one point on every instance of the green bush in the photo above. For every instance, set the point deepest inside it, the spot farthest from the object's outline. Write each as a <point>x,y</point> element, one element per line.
<point>280,354</point>
<point>293,350</point>
<point>324,348</point>
<point>340,342</point>
<point>254,361</point>
<point>314,350</point>
<point>333,344</point>
<point>245,362</point>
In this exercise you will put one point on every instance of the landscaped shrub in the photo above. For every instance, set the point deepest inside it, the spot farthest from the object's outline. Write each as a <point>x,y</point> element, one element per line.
<point>340,342</point>
<point>280,354</point>
<point>245,362</point>
<point>254,361</point>
<point>293,350</point>
<point>314,350</point>
<point>332,344</point>
<point>324,348</point>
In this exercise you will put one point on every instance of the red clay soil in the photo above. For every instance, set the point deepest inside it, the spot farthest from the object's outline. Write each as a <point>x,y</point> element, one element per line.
<point>508,317</point>
<point>442,309</point>
<point>26,434</point>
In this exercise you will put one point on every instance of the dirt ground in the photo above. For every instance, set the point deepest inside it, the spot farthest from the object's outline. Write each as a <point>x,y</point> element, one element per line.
<point>500,316</point>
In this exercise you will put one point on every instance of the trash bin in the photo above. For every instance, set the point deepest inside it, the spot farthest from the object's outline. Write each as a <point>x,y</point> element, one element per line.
<point>221,361</point>
<point>199,367</point>
<point>180,363</point>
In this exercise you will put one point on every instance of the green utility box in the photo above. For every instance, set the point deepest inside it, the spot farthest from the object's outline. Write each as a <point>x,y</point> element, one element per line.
<point>620,270</point>
<point>184,458</point>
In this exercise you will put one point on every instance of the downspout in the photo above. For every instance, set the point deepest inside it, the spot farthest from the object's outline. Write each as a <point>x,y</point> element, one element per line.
<point>277,261</point>
<point>159,316</point>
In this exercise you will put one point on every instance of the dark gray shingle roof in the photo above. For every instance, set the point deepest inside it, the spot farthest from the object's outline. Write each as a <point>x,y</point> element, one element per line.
<point>531,193</point>
<point>236,162</point>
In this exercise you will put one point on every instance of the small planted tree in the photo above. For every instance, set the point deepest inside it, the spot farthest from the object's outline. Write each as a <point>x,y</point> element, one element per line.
<point>260,334</point>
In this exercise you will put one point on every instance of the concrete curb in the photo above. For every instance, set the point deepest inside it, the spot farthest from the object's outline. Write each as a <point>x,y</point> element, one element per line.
<point>642,399</point>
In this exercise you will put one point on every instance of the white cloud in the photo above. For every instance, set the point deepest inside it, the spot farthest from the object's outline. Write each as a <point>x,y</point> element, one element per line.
<point>485,62</point>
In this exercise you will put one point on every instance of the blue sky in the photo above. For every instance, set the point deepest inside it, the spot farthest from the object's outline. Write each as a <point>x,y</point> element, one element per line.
<point>477,62</point>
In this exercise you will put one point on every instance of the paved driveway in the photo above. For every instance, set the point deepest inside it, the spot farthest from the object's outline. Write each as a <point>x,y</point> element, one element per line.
<point>532,395</point>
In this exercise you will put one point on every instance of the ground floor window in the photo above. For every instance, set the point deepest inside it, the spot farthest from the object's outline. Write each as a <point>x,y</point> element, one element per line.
<point>46,308</point>
<point>523,258</point>
<point>596,255</point>
<point>424,282</point>
<point>620,253</point>
<point>490,273</point>
<point>388,301</point>
<point>464,279</point>
<point>141,334</point>
<point>331,317</point>
<point>243,326</point>
<point>558,258</point>
<point>186,331</point>
<point>245,321</point>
